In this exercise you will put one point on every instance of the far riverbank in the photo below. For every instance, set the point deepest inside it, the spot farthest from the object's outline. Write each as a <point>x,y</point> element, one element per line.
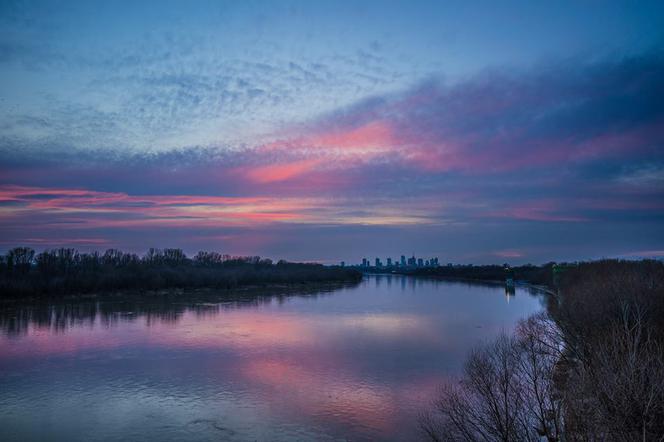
<point>66,272</point>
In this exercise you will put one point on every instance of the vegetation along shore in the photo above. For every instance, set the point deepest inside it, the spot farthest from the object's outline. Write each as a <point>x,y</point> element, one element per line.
<point>591,367</point>
<point>65,271</point>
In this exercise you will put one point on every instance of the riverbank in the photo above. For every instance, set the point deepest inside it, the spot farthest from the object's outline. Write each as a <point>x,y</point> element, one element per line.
<point>592,365</point>
<point>66,272</point>
<point>547,289</point>
<point>191,295</point>
<point>536,275</point>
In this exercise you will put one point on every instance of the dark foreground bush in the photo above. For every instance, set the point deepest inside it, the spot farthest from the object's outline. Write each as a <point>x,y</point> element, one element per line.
<point>66,271</point>
<point>591,368</point>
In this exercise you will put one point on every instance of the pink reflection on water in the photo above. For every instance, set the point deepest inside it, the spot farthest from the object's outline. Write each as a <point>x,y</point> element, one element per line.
<point>280,354</point>
<point>49,341</point>
<point>235,329</point>
<point>332,365</point>
<point>307,385</point>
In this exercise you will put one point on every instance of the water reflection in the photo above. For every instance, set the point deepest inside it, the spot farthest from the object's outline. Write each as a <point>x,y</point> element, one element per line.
<point>59,315</point>
<point>345,363</point>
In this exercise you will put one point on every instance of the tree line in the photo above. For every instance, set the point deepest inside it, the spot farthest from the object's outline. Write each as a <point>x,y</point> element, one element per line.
<point>590,368</point>
<point>534,274</point>
<point>64,271</point>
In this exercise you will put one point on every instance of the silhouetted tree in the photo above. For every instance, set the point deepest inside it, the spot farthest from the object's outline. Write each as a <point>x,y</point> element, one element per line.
<point>65,271</point>
<point>208,259</point>
<point>505,393</point>
<point>20,259</point>
<point>590,369</point>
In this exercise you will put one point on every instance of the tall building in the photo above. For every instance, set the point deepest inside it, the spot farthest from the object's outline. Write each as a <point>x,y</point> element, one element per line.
<point>420,262</point>
<point>403,261</point>
<point>365,263</point>
<point>343,263</point>
<point>389,262</point>
<point>378,263</point>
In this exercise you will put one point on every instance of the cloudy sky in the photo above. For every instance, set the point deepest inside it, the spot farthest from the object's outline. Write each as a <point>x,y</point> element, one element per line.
<point>327,131</point>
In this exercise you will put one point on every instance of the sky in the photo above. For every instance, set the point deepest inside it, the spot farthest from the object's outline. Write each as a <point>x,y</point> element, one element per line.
<point>333,130</point>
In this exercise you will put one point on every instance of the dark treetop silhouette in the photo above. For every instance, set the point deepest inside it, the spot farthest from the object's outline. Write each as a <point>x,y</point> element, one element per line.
<point>66,271</point>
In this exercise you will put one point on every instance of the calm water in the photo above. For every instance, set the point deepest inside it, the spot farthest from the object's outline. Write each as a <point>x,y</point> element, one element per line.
<point>357,363</point>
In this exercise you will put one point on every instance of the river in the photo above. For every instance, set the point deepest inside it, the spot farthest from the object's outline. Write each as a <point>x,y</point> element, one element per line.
<point>354,363</point>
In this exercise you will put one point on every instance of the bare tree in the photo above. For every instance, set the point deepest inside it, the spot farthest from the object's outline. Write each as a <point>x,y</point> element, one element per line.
<point>505,393</point>
<point>494,400</point>
<point>540,352</point>
<point>20,259</point>
<point>619,391</point>
<point>590,369</point>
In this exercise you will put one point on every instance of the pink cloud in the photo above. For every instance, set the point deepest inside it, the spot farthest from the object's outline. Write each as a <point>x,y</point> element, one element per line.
<point>509,253</point>
<point>281,172</point>
<point>327,152</point>
<point>539,210</point>
<point>375,134</point>
<point>75,209</point>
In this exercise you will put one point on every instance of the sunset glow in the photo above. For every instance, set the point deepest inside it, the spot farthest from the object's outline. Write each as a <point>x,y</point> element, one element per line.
<point>297,220</point>
<point>374,143</point>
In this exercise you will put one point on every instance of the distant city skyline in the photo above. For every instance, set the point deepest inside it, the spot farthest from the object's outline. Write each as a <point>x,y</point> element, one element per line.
<point>402,261</point>
<point>322,131</point>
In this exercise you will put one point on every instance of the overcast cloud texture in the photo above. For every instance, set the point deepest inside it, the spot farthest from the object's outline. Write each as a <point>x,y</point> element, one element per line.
<point>332,131</point>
